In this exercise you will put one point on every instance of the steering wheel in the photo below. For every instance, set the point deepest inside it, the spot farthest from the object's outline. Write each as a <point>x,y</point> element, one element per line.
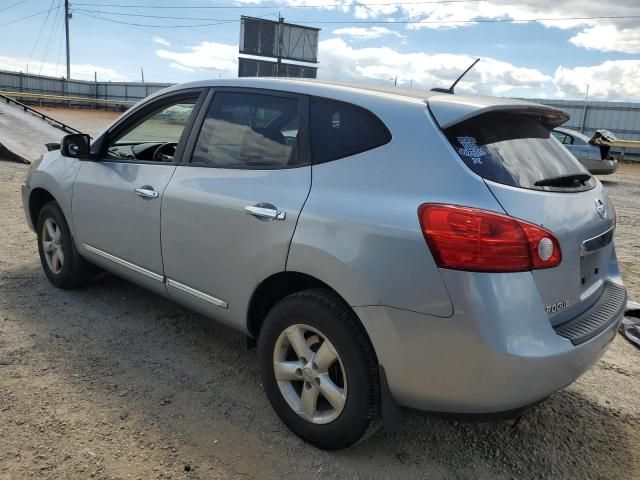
<point>165,152</point>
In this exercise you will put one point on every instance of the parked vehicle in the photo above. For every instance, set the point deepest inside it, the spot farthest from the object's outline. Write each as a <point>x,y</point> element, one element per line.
<point>386,248</point>
<point>596,158</point>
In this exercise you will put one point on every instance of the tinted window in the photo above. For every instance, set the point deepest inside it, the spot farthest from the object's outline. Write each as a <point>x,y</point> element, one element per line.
<point>514,150</point>
<point>562,137</point>
<point>247,130</point>
<point>340,129</point>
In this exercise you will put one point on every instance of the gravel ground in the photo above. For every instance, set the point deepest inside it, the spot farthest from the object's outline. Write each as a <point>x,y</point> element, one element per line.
<point>110,381</point>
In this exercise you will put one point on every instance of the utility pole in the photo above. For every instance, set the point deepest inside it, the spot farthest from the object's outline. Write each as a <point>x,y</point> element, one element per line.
<point>67,16</point>
<point>584,111</point>
<point>142,74</point>
<point>279,33</point>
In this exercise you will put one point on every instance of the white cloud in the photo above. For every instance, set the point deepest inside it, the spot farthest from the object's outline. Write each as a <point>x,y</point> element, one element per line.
<point>611,80</point>
<point>340,61</point>
<point>221,58</point>
<point>605,34</point>
<point>78,71</point>
<point>161,41</point>
<point>182,68</point>
<point>363,33</point>
<point>608,38</point>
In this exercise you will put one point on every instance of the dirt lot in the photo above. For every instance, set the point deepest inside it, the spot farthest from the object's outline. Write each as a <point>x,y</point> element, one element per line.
<point>84,119</point>
<point>113,382</point>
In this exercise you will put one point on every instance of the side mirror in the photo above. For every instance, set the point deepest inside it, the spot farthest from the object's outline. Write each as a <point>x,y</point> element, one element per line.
<point>77,145</point>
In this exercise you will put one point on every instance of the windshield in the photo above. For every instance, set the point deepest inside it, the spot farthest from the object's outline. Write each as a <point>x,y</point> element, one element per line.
<point>517,150</point>
<point>575,134</point>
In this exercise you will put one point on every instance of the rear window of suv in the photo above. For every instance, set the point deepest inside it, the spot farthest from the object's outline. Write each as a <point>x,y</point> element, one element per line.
<point>517,150</point>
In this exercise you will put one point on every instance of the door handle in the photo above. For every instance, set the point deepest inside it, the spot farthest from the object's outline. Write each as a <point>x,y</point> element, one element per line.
<point>264,212</point>
<point>146,192</point>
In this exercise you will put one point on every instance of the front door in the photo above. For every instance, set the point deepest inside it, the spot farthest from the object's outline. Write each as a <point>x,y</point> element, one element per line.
<point>117,198</point>
<point>229,213</point>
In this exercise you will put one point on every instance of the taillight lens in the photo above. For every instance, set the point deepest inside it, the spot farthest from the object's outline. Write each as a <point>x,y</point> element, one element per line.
<point>464,238</point>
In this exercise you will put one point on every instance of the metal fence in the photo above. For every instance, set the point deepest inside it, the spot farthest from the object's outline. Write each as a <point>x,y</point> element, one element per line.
<point>113,91</point>
<point>621,118</point>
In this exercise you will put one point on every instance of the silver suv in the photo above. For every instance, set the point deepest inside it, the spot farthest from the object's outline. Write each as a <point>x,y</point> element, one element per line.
<point>386,248</point>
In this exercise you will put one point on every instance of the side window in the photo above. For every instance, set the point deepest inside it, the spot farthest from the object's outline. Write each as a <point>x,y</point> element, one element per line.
<point>340,129</point>
<point>561,137</point>
<point>155,136</point>
<point>249,130</point>
<point>568,140</point>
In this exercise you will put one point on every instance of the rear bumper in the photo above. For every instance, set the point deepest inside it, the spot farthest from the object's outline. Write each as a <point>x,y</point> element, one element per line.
<point>601,167</point>
<point>490,356</point>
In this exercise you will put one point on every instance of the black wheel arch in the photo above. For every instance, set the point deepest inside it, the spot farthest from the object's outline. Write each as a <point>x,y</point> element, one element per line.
<point>38,198</point>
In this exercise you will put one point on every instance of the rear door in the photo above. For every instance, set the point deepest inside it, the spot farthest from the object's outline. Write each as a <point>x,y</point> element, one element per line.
<point>231,208</point>
<point>535,179</point>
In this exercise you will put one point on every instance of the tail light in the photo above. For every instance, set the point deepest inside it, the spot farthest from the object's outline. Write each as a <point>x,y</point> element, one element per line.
<point>463,238</point>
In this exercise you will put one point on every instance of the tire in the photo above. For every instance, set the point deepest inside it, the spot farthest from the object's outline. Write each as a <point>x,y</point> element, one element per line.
<point>52,227</point>
<point>352,381</point>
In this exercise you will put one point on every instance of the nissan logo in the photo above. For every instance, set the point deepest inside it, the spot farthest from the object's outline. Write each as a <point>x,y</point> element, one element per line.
<point>600,208</point>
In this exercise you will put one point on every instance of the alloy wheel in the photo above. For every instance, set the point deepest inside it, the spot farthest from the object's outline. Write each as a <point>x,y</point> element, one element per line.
<point>52,246</point>
<point>310,374</point>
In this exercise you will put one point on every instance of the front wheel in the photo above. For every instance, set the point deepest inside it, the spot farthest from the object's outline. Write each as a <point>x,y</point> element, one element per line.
<point>61,263</point>
<point>319,371</point>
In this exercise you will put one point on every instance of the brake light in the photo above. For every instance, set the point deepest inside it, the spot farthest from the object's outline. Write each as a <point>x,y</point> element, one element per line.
<point>464,238</point>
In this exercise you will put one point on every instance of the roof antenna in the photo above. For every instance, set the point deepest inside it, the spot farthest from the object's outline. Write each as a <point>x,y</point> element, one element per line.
<point>450,89</point>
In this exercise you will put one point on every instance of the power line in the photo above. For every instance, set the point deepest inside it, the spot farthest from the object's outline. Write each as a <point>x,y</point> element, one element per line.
<point>164,34</point>
<point>24,18</point>
<point>13,5</point>
<point>158,26</point>
<point>60,41</point>
<point>480,20</point>
<point>54,28</point>
<point>248,6</point>
<point>102,12</point>
<point>362,22</point>
<point>35,45</point>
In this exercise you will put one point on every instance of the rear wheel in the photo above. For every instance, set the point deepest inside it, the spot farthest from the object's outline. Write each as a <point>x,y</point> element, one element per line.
<point>61,263</point>
<point>319,370</point>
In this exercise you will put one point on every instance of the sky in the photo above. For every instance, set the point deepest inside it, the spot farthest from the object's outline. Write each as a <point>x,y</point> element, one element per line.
<point>533,49</point>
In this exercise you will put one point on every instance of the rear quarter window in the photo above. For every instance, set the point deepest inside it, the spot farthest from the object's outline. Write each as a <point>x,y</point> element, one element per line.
<point>339,129</point>
<point>514,149</point>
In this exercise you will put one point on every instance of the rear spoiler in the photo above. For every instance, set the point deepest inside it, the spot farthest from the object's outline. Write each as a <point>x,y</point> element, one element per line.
<point>449,110</point>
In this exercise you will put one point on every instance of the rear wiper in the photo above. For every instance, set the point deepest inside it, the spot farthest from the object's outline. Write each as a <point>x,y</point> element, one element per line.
<point>570,180</point>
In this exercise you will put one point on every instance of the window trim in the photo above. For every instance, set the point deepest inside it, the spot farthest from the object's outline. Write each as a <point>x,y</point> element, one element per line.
<point>368,112</point>
<point>131,118</point>
<point>304,149</point>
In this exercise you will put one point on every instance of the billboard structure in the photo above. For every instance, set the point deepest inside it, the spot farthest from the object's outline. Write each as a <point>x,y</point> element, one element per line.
<point>279,41</point>
<point>251,67</point>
